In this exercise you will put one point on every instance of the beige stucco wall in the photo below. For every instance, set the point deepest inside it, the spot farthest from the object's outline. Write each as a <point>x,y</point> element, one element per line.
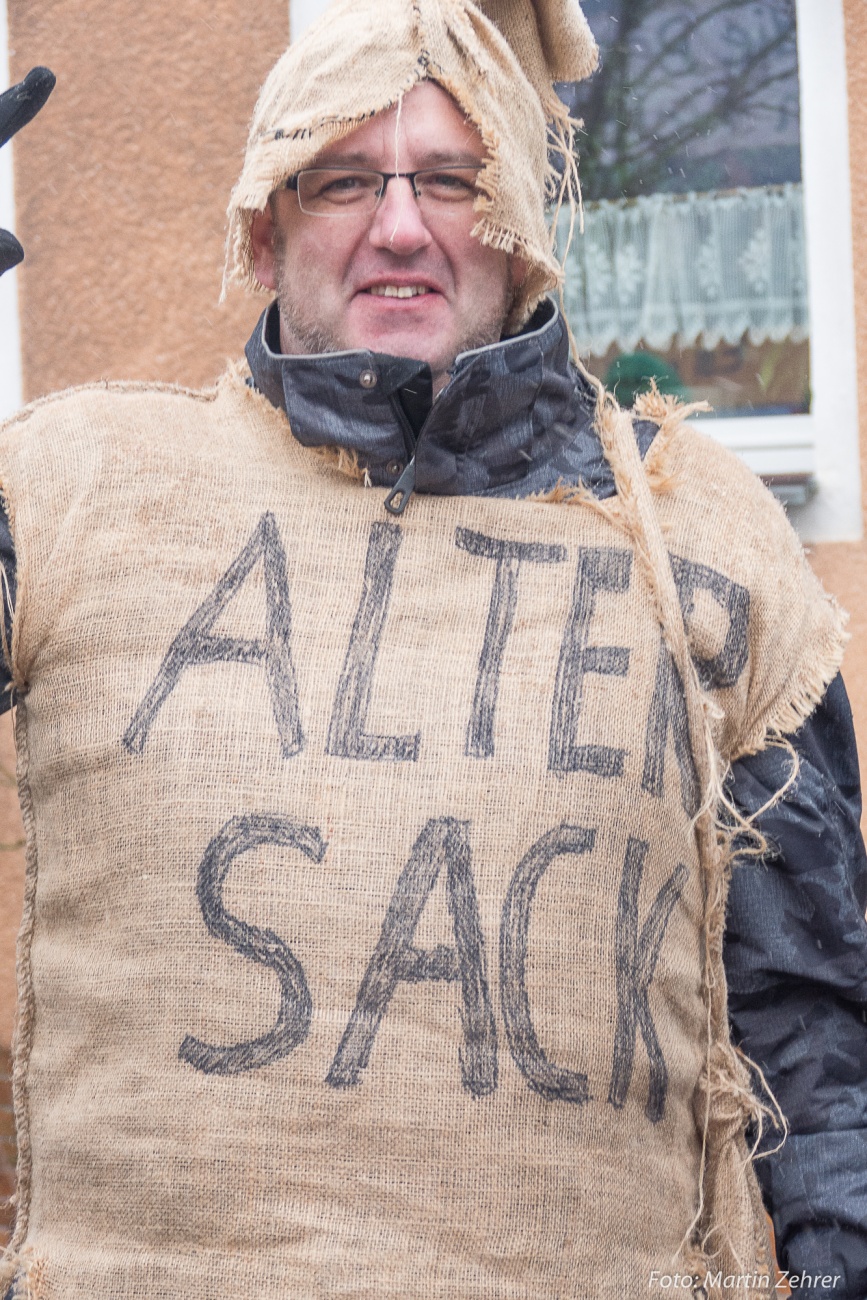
<point>122,182</point>
<point>121,185</point>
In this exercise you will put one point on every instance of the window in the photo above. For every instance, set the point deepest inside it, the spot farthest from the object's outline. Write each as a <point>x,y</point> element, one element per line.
<point>717,252</point>
<point>693,266</point>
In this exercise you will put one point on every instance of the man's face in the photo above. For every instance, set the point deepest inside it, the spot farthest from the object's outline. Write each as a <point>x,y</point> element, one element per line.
<point>327,271</point>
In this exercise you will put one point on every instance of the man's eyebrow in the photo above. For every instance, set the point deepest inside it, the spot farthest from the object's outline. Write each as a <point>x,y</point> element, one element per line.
<point>454,158</point>
<point>433,158</point>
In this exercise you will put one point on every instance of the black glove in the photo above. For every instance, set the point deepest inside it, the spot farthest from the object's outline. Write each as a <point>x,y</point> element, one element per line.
<point>17,106</point>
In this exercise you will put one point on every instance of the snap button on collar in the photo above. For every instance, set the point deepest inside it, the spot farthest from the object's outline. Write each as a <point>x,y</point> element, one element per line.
<point>368,379</point>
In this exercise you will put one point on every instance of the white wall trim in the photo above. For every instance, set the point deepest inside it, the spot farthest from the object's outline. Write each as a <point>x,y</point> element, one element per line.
<point>825,442</point>
<point>10,329</point>
<point>835,514</point>
<point>302,13</point>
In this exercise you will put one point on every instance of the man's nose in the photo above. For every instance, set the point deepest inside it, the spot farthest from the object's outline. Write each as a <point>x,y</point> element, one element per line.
<point>398,225</point>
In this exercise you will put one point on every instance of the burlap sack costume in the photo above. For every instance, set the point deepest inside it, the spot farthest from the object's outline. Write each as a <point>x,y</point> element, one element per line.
<point>370,948</point>
<point>375,900</point>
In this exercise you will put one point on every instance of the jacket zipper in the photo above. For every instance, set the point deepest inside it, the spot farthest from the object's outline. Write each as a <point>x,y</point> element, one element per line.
<point>398,498</point>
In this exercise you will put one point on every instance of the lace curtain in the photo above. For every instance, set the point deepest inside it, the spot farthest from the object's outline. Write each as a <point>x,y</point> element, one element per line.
<point>688,269</point>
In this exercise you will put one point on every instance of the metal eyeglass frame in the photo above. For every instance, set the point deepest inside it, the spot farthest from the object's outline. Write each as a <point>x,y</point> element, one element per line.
<point>291,183</point>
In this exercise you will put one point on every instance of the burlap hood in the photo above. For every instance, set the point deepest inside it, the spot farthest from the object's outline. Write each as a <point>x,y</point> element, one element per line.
<point>498,60</point>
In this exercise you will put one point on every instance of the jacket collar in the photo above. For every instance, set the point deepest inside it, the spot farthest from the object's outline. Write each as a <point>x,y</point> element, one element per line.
<point>515,418</point>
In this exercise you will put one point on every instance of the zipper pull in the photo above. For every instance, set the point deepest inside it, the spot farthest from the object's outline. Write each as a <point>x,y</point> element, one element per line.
<point>398,498</point>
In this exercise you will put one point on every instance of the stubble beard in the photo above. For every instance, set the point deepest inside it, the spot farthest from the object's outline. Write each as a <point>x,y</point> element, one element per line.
<point>309,337</point>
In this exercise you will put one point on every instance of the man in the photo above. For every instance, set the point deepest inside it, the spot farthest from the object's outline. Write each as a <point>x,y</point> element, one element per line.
<point>427,759</point>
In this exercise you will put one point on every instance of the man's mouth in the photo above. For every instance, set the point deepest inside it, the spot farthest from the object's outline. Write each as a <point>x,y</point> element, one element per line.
<point>399,290</point>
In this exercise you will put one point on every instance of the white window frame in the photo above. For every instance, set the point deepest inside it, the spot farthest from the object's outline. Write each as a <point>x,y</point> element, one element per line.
<point>10,330</point>
<point>825,443</point>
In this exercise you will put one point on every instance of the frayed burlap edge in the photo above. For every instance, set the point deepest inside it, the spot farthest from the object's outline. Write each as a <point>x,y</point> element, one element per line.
<point>792,710</point>
<point>829,636</point>
<point>24,1274</point>
<point>344,460</point>
<point>18,1265</point>
<point>19,1268</point>
<point>107,386</point>
<point>725,1102</point>
<point>670,415</point>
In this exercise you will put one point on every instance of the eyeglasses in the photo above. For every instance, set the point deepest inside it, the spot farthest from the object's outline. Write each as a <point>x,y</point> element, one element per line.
<point>350,191</point>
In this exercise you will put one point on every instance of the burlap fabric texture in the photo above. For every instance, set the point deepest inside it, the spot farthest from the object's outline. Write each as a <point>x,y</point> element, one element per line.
<point>498,60</point>
<point>374,902</point>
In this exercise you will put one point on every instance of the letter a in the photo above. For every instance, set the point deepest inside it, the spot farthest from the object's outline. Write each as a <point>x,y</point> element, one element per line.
<point>442,843</point>
<point>197,644</point>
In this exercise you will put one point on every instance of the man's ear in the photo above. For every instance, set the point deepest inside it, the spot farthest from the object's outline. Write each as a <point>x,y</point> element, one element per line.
<point>262,241</point>
<point>519,271</point>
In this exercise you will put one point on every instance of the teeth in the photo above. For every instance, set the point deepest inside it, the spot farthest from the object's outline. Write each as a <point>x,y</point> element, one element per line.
<point>399,291</point>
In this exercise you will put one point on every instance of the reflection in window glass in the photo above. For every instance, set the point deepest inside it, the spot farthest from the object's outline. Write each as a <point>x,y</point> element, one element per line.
<point>692,267</point>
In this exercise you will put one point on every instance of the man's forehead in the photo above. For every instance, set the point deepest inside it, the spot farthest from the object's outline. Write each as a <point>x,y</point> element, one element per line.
<point>426,129</point>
